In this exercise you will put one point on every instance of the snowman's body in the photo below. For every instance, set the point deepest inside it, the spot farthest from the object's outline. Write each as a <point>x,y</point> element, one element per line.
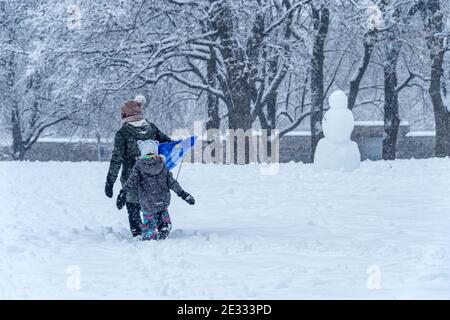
<point>336,151</point>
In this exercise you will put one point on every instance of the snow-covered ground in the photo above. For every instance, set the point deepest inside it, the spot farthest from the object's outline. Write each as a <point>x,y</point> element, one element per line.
<point>382,231</point>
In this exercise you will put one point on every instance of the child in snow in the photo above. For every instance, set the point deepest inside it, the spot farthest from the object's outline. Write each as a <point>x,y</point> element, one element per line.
<point>153,182</point>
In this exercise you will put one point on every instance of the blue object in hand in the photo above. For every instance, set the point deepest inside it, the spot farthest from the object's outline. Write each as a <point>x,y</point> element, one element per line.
<point>174,151</point>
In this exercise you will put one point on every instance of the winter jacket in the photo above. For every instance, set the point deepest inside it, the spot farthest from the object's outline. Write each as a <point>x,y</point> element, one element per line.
<point>153,182</point>
<point>126,150</point>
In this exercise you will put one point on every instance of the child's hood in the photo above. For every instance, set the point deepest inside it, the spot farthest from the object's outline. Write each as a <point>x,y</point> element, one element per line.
<point>151,166</point>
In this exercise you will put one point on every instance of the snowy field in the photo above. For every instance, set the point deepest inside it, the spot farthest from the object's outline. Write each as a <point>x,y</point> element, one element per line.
<point>382,231</point>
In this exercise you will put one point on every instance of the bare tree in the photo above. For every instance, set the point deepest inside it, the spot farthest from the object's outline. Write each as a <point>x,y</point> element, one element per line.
<point>397,15</point>
<point>433,16</point>
<point>236,64</point>
<point>321,21</point>
<point>28,105</point>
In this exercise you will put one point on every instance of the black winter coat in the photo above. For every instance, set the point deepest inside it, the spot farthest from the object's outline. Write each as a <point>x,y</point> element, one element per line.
<point>126,150</point>
<point>153,182</point>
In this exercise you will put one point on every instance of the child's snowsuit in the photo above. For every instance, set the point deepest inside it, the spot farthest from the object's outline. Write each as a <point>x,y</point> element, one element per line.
<point>153,181</point>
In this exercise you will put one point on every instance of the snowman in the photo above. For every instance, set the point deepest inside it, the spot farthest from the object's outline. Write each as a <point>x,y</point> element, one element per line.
<point>336,151</point>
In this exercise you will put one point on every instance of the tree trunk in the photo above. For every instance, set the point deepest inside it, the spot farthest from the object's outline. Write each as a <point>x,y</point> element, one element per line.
<point>238,86</point>
<point>434,27</point>
<point>369,44</point>
<point>235,86</point>
<point>18,148</point>
<point>391,113</point>
<point>321,18</point>
<point>272,97</point>
<point>212,100</point>
<point>441,114</point>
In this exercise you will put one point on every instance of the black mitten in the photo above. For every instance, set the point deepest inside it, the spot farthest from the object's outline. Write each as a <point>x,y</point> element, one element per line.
<point>121,199</point>
<point>187,197</point>
<point>109,188</point>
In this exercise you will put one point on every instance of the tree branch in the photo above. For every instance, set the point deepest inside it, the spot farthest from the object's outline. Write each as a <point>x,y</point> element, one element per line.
<point>294,125</point>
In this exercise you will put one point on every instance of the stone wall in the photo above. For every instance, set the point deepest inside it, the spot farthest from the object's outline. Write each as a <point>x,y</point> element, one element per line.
<point>418,145</point>
<point>295,146</point>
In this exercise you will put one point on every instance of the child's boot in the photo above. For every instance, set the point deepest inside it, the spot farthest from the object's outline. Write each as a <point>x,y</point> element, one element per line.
<point>164,224</point>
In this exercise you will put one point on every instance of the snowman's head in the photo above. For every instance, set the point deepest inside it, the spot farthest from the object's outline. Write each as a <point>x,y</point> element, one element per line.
<point>338,100</point>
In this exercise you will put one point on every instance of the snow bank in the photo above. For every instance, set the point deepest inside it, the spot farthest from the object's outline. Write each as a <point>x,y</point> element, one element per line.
<point>296,234</point>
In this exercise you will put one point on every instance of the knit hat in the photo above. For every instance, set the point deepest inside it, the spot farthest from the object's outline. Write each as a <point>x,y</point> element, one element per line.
<point>141,100</point>
<point>131,111</point>
<point>148,147</point>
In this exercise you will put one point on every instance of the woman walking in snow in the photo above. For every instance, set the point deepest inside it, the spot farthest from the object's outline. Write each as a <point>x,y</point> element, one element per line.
<point>134,127</point>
